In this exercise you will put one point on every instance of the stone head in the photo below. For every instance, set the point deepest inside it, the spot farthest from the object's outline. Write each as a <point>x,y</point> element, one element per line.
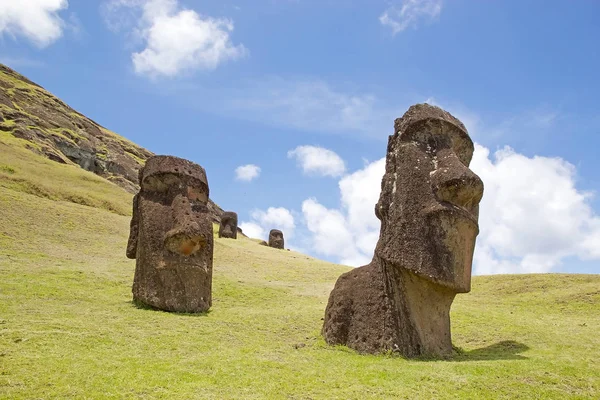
<point>429,199</point>
<point>175,193</point>
<point>171,231</point>
<point>228,225</point>
<point>276,239</point>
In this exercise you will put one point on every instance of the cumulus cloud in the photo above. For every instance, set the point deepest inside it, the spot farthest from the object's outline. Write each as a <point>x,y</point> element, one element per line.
<point>409,13</point>
<point>273,218</point>
<point>276,218</point>
<point>331,234</point>
<point>247,172</point>
<point>532,216</point>
<point>252,229</point>
<point>350,233</point>
<point>36,20</point>
<point>176,39</point>
<point>316,160</point>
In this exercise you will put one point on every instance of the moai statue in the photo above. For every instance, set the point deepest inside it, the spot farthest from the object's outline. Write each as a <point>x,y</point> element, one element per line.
<point>228,227</point>
<point>171,237</point>
<point>428,209</point>
<point>276,239</point>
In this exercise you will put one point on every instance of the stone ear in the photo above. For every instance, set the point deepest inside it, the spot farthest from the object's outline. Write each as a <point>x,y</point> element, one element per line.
<point>133,230</point>
<point>377,211</point>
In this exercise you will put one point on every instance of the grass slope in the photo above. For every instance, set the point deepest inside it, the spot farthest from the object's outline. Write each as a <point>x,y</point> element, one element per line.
<point>68,328</point>
<point>53,128</point>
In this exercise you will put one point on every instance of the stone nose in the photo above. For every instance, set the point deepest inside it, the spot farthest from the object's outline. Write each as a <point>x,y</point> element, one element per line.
<point>186,238</point>
<point>455,183</point>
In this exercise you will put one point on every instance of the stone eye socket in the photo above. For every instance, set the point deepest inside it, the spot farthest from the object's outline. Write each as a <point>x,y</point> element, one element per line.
<point>433,143</point>
<point>160,183</point>
<point>197,194</point>
<point>426,140</point>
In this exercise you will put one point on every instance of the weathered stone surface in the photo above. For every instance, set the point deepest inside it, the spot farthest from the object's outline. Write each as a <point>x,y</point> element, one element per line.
<point>31,113</point>
<point>428,209</point>
<point>228,227</point>
<point>276,239</point>
<point>171,237</point>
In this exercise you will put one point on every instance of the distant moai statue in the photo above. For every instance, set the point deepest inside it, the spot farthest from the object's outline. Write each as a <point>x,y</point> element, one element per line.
<point>171,236</point>
<point>276,239</point>
<point>228,227</point>
<point>429,210</point>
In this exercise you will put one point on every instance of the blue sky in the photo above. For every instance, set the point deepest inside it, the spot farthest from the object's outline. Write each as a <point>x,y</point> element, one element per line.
<point>234,83</point>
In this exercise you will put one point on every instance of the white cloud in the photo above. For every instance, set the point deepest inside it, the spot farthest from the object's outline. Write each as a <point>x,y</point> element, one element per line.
<point>331,234</point>
<point>273,218</point>
<point>252,230</point>
<point>247,172</point>
<point>359,193</point>
<point>350,233</point>
<point>276,218</point>
<point>176,39</point>
<point>532,216</point>
<point>318,161</point>
<point>410,13</point>
<point>36,20</point>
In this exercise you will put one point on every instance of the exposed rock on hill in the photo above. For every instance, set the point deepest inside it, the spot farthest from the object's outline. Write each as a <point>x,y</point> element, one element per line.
<point>62,134</point>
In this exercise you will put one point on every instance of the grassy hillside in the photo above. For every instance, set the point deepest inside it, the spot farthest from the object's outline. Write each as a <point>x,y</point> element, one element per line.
<point>34,119</point>
<point>68,328</point>
<point>53,129</point>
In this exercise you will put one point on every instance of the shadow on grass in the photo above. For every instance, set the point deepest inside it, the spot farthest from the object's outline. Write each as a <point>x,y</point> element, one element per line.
<point>505,350</point>
<point>142,306</point>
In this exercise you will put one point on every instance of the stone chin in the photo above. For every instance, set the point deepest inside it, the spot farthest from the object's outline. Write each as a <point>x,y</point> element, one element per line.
<point>453,233</point>
<point>440,252</point>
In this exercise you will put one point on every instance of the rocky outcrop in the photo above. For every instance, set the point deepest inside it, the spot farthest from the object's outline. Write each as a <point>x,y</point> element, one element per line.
<point>60,133</point>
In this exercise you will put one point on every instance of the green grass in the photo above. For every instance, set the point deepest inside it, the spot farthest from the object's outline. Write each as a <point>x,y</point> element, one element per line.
<point>66,134</point>
<point>8,125</point>
<point>68,328</point>
<point>24,171</point>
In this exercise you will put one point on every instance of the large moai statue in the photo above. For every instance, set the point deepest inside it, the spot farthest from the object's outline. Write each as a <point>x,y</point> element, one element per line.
<point>276,239</point>
<point>171,236</point>
<point>428,209</point>
<point>229,225</point>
